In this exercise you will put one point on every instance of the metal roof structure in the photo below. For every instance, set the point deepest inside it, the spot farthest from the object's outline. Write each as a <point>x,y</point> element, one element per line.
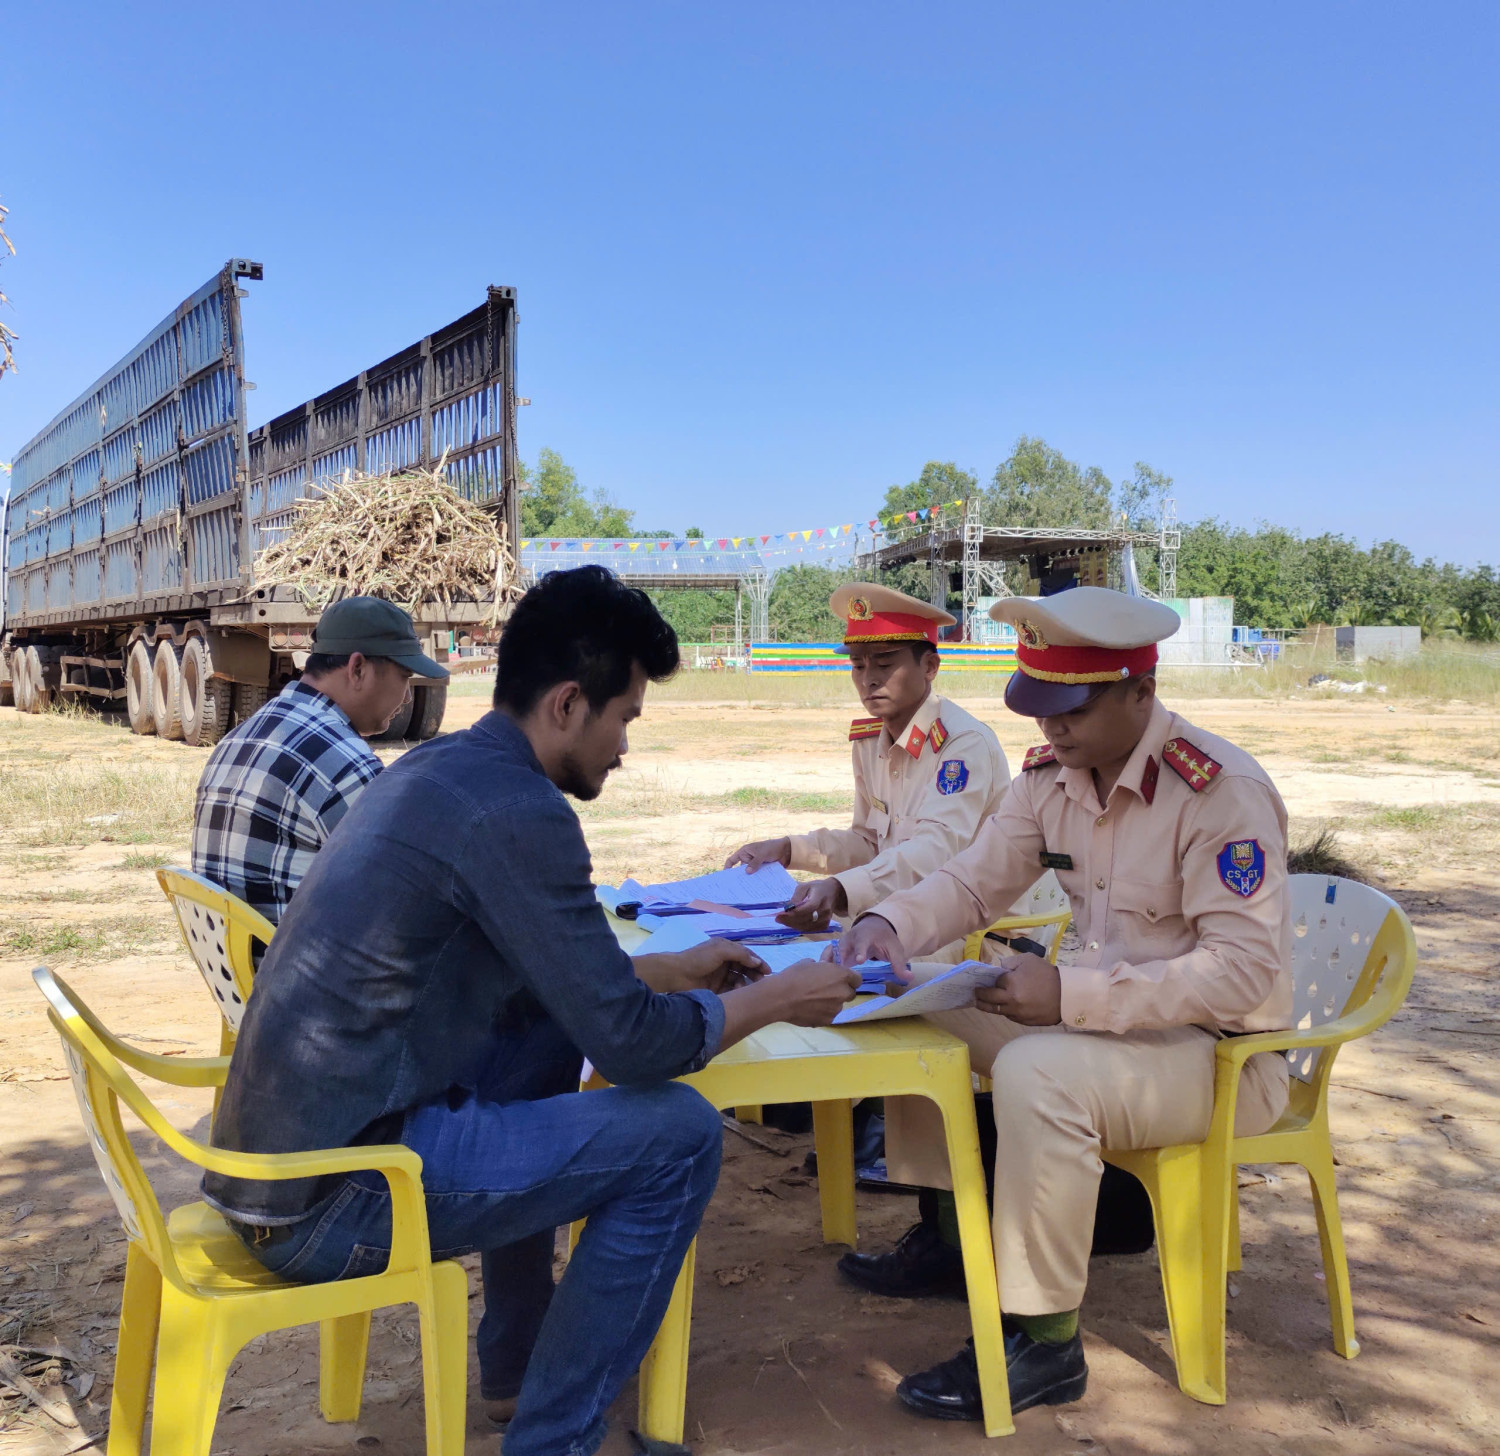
<point>952,542</point>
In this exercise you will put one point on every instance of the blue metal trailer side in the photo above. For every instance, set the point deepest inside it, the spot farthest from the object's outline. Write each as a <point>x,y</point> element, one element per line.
<point>134,516</point>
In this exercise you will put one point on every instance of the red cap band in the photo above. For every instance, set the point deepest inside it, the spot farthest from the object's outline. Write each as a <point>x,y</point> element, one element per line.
<point>891,627</point>
<point>1085,664</point>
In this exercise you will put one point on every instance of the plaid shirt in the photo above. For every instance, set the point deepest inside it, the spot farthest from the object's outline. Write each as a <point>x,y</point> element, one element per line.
<point>272,793</point>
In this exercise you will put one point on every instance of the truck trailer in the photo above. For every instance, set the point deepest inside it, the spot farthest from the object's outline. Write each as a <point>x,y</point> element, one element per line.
<point>134,518</point>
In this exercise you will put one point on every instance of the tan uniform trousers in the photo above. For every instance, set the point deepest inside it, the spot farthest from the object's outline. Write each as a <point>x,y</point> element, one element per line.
<point>1060,1096</point>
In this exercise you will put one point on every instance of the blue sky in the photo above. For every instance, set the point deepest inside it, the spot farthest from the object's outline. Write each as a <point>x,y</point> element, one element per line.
<point>772,258</point>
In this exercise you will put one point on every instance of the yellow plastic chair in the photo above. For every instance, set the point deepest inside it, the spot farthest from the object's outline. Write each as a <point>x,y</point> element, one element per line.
<point>830,1067</point>
<point>220,931</point>
<point>1352,962</point>
<point>1045,906</point>
<point>194,1296</point>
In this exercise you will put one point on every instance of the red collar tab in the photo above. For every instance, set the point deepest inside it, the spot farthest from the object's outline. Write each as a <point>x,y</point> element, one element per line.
<point>1196,769</point>
<point>866,625</point>
<point>1149,776</point>
<point>1038,757</point>
<point>1083,664</point>
<point>937,735</point>
<point>865,728</point>
<point>915,741</point>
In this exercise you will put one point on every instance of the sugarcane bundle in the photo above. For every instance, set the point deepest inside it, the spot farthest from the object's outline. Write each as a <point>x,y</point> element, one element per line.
<point>406,535</point>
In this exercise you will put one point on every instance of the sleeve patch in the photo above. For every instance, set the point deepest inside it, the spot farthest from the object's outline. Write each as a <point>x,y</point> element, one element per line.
<point>1038,757</point>
<point>953,776</point>
<point>1242,866</point>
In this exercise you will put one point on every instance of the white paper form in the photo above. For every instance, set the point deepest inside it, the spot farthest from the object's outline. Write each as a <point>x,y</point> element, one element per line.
<point>770,884</point>
<point>950,990</point>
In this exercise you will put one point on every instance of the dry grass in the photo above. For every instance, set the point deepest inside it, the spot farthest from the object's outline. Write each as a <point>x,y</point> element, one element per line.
<point>1443,672</point>
<point>408,537</point>
<point>79,803</point>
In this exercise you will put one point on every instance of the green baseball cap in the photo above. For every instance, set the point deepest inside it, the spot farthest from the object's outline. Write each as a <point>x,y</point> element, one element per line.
<point>377,628</point>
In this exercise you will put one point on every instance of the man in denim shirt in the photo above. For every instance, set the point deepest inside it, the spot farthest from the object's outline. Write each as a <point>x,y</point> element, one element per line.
<point>436,981</point>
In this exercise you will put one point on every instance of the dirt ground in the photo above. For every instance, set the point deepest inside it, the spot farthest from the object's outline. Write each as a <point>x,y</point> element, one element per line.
<point>785,1357</point>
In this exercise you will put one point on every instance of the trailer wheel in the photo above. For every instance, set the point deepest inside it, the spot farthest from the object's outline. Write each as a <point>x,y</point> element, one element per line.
<point>166,689</point>
<point>138,689</point>
<point>20,674</point>
<point>204,697</point>
<point>400,727</point>
<point>428,705</point>
<point>248,699</point>
<point>38,696</point>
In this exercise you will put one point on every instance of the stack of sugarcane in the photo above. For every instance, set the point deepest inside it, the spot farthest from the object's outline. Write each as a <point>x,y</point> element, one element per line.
<point>407,536</point>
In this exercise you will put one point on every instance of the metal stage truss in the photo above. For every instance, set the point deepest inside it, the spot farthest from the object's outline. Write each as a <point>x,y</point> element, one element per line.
<point>662,566</point>
<point>957,545</point>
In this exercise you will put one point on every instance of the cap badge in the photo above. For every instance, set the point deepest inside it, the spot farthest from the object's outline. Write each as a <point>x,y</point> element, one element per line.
<point>1030,634</point>
<point>859,610</point>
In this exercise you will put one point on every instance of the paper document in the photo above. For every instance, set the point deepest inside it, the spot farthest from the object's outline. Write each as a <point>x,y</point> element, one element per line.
<point>951,989</point>
<point>726,927</point>
<point>769,888</point>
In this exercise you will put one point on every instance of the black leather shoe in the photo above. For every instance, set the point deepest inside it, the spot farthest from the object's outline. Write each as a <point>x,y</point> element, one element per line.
<point>920,1264</point>
<point>1038,1374</point>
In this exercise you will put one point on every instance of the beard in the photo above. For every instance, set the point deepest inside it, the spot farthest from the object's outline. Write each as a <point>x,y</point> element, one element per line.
<point>579,782</point>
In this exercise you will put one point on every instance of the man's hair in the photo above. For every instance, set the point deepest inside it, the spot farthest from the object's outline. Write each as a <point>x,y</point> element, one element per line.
<point>582,626</point>
<point>319,663</point>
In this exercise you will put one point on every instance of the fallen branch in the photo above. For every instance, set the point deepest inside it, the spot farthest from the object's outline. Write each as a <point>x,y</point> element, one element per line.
<point>59,1411</point>
<point>786,1353</point>
<point>736,1127</point>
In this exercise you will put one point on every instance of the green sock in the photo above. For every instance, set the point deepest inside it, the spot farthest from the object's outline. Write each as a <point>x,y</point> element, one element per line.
<point>947,1219</point>
<point>1048,1329</point>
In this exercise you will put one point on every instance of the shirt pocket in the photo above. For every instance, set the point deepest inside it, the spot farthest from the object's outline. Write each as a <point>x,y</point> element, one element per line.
<point>1156,903</point>
<point>879,824</point>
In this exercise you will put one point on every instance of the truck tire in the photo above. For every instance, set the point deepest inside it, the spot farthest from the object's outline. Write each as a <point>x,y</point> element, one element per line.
<point>138,689</point>
<point>166,689</point>
<point>249,699</point>
<point>204,697</point>
<point>400,727</point>
<point>38,696</point>
<point>20,673</point>
<point>427,707</point>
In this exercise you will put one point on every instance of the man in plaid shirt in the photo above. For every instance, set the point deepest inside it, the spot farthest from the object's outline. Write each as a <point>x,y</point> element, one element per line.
<point>276,786</point>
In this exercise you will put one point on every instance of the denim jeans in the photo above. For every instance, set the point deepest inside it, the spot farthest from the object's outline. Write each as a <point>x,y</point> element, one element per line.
<point>639,1162</point>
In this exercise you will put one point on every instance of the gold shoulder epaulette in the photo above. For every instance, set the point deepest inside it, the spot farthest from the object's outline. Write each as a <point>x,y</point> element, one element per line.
<point>865,728</point>
<point>937,735</point>
<point>1194,767</point>
<point>1038,757</point>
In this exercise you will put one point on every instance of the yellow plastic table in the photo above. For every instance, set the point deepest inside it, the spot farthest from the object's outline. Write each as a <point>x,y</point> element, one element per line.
<point>830,1067</point>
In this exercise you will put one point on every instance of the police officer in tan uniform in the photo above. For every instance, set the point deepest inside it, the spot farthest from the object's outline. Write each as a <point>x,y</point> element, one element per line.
<point>1171,843</point>
<point>926,773</point>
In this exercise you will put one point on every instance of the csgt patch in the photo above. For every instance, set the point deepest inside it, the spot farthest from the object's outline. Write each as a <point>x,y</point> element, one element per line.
<point>953,776</point>
<point>1242,866</point>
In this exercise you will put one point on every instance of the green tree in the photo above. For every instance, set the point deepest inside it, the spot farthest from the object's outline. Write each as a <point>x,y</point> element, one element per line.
<point>554,504</point>
<point>1040,486</point>
<point>799,604</point>
<point>1139,499</point>
<point>693,614</point>
<point>940,482</point>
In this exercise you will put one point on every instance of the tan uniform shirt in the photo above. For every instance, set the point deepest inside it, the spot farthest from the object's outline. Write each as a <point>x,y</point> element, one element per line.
<point>1178,886</point>
<point>917,803</point>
